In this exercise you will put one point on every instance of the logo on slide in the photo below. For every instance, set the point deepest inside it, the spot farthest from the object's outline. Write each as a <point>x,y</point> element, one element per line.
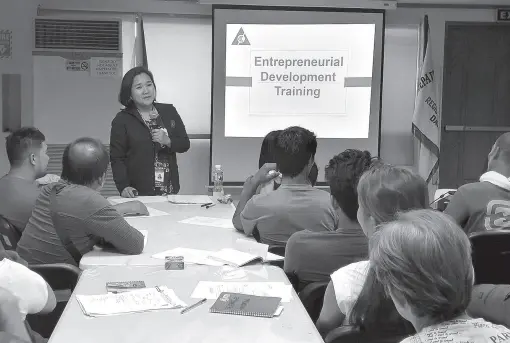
<point>241,38</point>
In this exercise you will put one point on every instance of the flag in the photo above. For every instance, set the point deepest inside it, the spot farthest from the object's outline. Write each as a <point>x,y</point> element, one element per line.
<point>139,57</point>
<point>426,118</point>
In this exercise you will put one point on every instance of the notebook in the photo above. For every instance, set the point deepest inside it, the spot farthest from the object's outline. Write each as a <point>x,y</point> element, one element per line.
<point>124,286</point>
<point>246,305</point>
<point>237,258</point>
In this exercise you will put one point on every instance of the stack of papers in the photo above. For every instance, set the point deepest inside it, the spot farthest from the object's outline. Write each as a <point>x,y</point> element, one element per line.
<point>212,289</point>
<point>207,221</point>
<point>189,199</point>
<point>231,257</point>
<point>141,300</point>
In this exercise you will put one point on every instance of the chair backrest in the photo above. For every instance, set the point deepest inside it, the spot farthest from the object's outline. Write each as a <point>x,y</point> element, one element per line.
<point>9,236</point>
<point>491,256</point>
<point>312,297</point>
<point>62,278</point>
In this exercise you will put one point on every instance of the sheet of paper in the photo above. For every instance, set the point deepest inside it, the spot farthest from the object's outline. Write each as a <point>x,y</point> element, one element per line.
<point>212,289</point>
<point>154,213</point>
<point>252,247</point>
<point>233,257</point>
<point>144,199</point>
<point>189,199</point>
<point>195,256</point>
<point>207,221</point>
<point>141,300</point>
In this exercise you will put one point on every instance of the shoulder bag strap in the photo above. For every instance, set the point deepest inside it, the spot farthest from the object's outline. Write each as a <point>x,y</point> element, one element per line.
<point>61,232</point>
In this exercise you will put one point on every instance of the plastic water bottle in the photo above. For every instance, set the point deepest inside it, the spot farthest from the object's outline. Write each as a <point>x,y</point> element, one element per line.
<point>217,177</point>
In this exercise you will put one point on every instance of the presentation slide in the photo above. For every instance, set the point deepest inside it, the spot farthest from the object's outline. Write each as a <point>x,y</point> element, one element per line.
<point>315,76</point>
<point>273,69</point>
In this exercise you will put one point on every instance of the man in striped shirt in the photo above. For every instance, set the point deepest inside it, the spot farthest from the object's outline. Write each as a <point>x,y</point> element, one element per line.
<point>68,223</point>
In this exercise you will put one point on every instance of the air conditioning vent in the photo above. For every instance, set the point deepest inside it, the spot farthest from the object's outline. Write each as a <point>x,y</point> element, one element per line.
<point>72,34</point>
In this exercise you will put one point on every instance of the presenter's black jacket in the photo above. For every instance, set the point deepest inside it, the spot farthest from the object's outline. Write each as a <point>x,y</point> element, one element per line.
<point>132,149</point>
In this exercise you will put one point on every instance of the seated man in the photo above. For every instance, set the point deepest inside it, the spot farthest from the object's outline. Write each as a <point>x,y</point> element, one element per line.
<point>295,205</point>
<point>26,151</point>
<point>314,256</point>
<point>71,216</point>
<point>484,205</point>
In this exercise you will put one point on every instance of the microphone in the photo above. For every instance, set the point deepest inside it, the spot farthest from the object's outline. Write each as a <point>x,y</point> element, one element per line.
<point>442,197</point>
<point>153,122</point>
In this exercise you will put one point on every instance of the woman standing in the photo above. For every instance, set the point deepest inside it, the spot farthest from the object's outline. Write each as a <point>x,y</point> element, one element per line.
<point>145,136</point>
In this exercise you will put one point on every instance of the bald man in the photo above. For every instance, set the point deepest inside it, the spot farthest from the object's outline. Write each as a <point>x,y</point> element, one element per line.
<point>71,216</point>
<point>485,205</point>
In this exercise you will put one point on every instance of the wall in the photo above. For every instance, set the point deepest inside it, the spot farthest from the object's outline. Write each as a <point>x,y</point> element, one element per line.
<point>16,15</point>
<point>399,69</point>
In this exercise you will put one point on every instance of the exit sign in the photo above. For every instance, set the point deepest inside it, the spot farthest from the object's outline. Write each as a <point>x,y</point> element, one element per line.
<point>504,15</point>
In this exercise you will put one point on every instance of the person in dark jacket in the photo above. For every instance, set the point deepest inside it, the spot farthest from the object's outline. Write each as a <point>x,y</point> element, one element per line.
<point>145,137</point>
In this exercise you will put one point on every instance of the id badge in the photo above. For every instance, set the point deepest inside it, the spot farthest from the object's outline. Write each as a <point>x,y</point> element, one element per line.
<point>159,175</point>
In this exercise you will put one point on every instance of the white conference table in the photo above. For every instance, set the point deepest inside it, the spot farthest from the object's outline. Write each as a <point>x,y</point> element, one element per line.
<point>165,233</point>
<point>198,325</point>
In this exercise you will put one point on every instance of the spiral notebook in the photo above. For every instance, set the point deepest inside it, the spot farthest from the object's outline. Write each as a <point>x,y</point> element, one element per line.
<point>246,305</point>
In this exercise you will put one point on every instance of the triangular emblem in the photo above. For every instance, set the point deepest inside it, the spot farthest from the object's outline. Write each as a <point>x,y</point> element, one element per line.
<point>241,38</point>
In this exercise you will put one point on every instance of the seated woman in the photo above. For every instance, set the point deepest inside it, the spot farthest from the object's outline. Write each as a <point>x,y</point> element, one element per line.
<point>431,281</point>
<point>354,297</point>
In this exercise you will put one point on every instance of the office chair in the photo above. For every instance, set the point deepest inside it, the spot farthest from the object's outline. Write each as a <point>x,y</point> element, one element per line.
<point>312,297</point>
<point>9,236</point>
<point>491,256</point>
<point>62,278</point>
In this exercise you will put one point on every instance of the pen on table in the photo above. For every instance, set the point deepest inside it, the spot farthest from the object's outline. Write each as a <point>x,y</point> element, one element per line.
<point>208,204</point>
<point>190,307</point>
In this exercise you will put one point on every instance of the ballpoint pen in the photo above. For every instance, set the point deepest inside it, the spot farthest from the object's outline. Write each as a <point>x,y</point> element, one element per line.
<point>190,307</point>
<point>205,205</point>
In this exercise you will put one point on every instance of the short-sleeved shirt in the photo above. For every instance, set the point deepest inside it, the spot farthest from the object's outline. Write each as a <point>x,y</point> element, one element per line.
<point>480,206</point>
<point>88,218</point>
<point>17,200</point>
<point>462,331</point>
<point>26,285</point>
<point>313,256</point>
<point>289,209</point>
<point>348,283</point>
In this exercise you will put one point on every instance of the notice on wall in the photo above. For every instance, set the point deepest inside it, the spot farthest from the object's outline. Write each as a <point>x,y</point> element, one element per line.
<point>106,67</point>
<point>5,44</point>
<point>77,65</point>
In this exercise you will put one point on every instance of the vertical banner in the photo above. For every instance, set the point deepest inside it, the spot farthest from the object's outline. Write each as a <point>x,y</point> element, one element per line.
<point>426,118</point>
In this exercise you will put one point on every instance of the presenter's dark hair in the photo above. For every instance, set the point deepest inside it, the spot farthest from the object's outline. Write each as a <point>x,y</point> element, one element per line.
<point>294,148</point>
<point>267,148</point>
<point>21,143</point>
<point>127,83</point>
<point>342,174</point>
<point>84,161</point>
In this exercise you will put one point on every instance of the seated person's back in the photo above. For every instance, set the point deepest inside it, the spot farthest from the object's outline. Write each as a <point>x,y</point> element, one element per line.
<point>289,209</point>
<point>314,256</point>
<point>477,206</point>
<point>295,205</point>
<point>79,210</point>
<point>26,151</point>
<point>426,291</point>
